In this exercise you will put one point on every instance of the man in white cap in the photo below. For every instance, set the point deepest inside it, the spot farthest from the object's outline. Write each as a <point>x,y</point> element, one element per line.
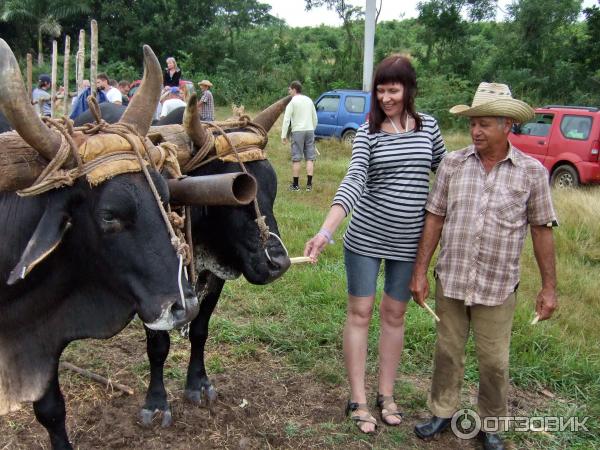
<point>206,102</point>
<point>482,201</point>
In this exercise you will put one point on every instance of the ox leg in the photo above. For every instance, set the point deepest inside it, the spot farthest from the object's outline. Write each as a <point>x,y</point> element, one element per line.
<point>50,412</point>
<point>157,347</point>
<point>198,387</point>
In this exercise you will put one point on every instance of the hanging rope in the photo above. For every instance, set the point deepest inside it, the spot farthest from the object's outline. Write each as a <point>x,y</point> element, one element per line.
<point>263,228</point>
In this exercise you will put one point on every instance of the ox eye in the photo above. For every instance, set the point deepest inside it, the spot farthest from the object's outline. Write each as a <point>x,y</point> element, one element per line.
<point>108,217</point>
<point>110,223</point>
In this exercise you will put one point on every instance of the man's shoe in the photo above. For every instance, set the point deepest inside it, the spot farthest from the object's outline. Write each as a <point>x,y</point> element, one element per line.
<point>491,441</point>
<point>308,187</point>
<point>294,187</point>
<point>432,428</point>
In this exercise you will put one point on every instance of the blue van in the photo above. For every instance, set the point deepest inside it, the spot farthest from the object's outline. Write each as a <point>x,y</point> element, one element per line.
<point>341,112</point>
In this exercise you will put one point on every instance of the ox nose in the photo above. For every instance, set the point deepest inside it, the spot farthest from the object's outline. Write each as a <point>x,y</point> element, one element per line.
<point>184,311</point>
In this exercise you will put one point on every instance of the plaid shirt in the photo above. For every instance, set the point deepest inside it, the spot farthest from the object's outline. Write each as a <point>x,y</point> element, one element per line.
<point>207,106</point>
<point>486,217</point>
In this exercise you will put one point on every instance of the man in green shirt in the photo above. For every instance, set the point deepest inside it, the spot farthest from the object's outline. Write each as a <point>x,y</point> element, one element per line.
<point>300,120</point>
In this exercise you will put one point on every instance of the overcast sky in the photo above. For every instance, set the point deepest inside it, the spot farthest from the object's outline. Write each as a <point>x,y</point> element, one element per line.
<point>292,11</point>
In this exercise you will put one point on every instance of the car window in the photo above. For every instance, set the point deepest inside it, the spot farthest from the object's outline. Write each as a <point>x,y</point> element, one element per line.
<point>355,104</point>
<point>576,127</point>
<point>328,104</point>
<point>539,126</point>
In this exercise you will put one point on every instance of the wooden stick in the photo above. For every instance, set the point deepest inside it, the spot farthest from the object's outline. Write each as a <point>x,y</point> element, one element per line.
<point>66,99</point>
<point>94,56</point>
<point>80,61</point>
<point>54,75</point>
<point>535,319</point>
<point>430,311</point>
<point>300,259</point>
<point>96,377</point>
<point>29,75</point>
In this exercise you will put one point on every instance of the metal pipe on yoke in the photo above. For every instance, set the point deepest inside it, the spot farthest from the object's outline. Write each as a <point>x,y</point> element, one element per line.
<point>229,189</point>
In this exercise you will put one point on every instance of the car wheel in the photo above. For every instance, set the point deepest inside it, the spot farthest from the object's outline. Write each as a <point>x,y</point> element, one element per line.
<point>564,176</point>
<point>348,137</point>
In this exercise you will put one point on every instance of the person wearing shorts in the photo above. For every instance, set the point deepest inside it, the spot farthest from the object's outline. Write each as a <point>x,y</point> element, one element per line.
<point>299,122</point>
<point>386,189</point>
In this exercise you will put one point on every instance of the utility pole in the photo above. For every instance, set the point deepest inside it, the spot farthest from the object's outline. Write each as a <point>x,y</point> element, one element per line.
<point>369,44</point>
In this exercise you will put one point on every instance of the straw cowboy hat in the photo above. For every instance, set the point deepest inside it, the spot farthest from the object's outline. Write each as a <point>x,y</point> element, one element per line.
<point>494,99</point>
<point>205,83</point>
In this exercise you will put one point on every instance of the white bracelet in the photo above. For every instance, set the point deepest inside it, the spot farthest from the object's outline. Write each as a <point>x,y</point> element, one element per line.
<point>327,234</point>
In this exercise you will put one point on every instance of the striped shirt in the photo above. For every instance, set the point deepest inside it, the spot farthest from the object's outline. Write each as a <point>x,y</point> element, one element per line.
<point>386,187</point>
<point>486,217</point>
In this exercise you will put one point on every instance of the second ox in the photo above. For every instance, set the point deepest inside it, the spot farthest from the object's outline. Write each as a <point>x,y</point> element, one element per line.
<point>228,242</point>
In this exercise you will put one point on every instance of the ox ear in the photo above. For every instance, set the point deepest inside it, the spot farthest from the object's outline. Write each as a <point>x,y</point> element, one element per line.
<point>46,238</point>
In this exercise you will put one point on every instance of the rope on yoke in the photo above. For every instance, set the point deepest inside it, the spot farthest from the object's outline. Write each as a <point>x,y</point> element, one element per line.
<point>54,176</point>
<point>263,228</point>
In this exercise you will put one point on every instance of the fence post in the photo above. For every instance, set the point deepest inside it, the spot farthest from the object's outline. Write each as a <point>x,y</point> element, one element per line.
<point>54,75</point>
<point>66,96</point>
<point>80,61</point>
<point>30,75</point>
<point>94,57</point>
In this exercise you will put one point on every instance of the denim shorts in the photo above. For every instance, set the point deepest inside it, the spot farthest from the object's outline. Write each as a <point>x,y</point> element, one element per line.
<point>362,271</point>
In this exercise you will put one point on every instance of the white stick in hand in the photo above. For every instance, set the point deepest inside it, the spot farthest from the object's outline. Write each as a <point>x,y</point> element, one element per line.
<point>430,311</point>
<point>300,259</point>
<point>535,319</point>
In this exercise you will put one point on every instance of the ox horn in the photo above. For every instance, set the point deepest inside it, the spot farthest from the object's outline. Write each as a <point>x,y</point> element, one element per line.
<point>192,124</point>
<point>267,118</point>
<point>18,109</point>
<point>229,189</point>
<point>142,106</point>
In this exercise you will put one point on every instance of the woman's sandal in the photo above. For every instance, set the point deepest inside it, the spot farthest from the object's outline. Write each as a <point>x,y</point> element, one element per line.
<point>359,413</point>
<point>387,406</point>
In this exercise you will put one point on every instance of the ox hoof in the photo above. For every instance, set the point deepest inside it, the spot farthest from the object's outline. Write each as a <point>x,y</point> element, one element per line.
<point>193,396</point>
<point>205,396</point>
<point>149,417</point>
<point>210,394</point>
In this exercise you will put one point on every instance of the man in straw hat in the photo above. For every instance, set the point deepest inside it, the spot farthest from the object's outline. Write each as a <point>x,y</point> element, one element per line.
<point>483,198</point>
<point>206,103</point>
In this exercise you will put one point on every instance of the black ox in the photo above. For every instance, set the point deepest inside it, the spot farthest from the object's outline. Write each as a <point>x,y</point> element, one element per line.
<point>227,244</point>
<point>78,262</point>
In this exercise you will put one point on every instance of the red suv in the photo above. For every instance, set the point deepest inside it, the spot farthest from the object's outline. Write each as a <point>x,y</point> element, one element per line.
<point>566,140</point>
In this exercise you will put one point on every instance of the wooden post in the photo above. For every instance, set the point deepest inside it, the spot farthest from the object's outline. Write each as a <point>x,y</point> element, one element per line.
<point>54,75</point>
<point>94,56</point>
<point>30,75</point>
<point>66,96</point>
<point>80,63</point>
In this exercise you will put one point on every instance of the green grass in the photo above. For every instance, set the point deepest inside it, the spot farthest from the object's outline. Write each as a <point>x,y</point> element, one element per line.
<point>301,315</point>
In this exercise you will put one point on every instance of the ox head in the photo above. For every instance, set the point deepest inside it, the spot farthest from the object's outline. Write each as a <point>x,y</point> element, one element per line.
<point>106,241</point>
<point>230,235</point>
<point>227,238</point>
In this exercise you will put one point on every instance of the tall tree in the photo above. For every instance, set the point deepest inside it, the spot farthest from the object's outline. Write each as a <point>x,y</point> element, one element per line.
<point>349,61</point>
<point>444,26</point>
<point>43,15</point>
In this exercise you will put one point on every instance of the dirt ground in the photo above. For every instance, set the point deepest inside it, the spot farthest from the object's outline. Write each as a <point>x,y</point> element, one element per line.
<point>283,408</point>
